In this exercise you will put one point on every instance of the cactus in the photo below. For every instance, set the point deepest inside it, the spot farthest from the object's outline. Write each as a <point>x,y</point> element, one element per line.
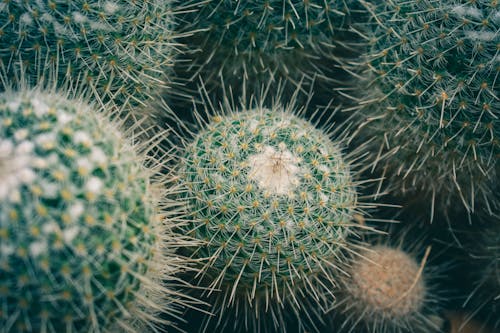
<point>275,200</point>
<point>237,40</point>
<point>387,291</point>
<point>434,66</point>
<point>82,248</point>
<point>118,50</point>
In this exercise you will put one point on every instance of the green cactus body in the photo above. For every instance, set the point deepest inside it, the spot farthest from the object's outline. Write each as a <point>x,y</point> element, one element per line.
<point>274,200</point>
<point>79,231</point>
<point>251,39</point>
<point>386,291</point>
<point>436,64</point>
<point>118,50</point>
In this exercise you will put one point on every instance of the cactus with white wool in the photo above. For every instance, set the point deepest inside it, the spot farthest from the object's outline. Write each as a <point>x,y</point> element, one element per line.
<point>275,200</point>
<point>83,244</point>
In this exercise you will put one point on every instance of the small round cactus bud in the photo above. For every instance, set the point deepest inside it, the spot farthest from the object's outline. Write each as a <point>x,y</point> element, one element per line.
<point>274,199</point>
<point>118,50</point>
<point>435,118</point>
<point>382,277</point>
<point>82,248</point>
<point>386,291</point>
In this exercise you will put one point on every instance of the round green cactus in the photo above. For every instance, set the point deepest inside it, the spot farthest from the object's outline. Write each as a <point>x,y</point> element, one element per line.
<point>387,291</point>
<point>82,248</point>
<point>118,50</point>
<point>237,40</point>
<point>274,199</point>
<point>435,67</point>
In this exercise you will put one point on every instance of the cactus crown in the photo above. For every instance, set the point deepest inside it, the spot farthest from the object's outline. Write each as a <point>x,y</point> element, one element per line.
<point>80,237</point>
<point>270,191</point>
<point>436,64</point>
<point>116,49</point>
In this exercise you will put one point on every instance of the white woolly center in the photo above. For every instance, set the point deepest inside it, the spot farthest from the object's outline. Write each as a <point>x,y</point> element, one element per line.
<point>463,11</point>
<point>15,166</point>
<point>111,7</point>
<point>275,171</point>
<point>483,35</point>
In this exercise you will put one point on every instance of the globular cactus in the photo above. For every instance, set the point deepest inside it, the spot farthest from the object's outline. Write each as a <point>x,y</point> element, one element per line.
<point>118,50</point>
<point>387,291</point>
<point>83,243</point>
<point>435,115</point>
<point>275,200</point>
<point>237,40</point>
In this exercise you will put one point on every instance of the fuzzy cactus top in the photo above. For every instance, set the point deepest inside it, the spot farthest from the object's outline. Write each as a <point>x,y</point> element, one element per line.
<point>271,195</point>
<point>77,220</point>
<point>118,50</point>
<point>386,290</point>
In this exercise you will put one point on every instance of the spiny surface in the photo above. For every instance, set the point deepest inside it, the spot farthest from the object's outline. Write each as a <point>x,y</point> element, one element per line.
<point>76,219</point>
<point>118,50</point>
<point>272,194</point>
<point>274,200</point>
<point>437,65</point>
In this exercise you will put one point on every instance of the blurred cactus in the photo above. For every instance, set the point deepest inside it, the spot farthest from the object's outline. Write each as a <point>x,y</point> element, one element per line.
<point>82,244</point>
<point>237,40</point>
<point>387,291</point>
<point>434,68</point>
<point>483,266</point>
<point>118,50</point>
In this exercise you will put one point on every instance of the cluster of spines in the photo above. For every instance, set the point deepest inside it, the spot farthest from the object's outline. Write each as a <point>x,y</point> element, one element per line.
<point>117,50</point>
<point>435,68</point>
